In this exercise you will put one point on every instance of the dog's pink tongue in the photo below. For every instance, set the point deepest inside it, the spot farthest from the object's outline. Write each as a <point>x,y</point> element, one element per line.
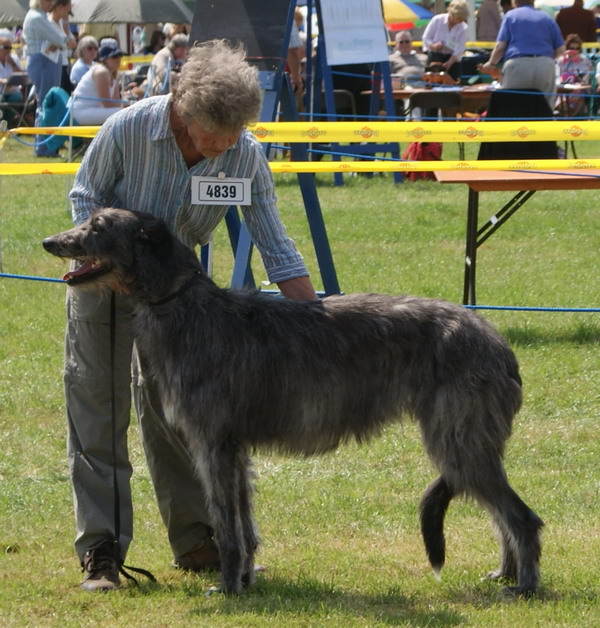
<point>80,270</point>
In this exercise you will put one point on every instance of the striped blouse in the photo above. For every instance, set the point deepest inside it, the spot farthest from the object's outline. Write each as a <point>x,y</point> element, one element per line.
<point>134,163</point>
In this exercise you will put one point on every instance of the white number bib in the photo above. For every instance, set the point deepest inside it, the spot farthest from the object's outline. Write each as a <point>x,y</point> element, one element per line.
<point>220,191</point>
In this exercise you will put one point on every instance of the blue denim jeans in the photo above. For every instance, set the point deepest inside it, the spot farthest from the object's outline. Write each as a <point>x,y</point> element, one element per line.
<point>44,74</point>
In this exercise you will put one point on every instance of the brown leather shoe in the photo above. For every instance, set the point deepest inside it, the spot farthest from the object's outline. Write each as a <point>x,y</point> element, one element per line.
<point>101,569</point>
<point>203,558</point>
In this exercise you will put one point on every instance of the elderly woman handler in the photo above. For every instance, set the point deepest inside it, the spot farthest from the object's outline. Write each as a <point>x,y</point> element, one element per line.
<point>147,158</point>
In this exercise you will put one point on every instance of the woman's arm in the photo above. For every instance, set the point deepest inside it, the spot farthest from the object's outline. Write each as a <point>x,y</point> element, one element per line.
<point>103,80</point>
<point>495,57</point>
<point>45,30</point>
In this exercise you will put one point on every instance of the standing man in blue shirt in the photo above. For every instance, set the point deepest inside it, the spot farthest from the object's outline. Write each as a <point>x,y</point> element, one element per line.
<point>528,44</point>
<point>151,157</point>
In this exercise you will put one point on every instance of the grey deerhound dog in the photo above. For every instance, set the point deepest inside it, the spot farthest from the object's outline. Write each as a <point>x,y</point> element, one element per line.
<point>239,371</point>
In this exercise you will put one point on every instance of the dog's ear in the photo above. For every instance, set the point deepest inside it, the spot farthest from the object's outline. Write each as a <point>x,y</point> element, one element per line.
<point>155,234</point>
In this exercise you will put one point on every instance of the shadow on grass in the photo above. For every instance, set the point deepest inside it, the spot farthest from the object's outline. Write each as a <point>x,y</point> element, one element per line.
<point>314,601</point>
<point>582,333</point>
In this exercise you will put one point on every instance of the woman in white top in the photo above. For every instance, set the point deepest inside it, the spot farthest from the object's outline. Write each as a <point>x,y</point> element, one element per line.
<point>445,37</point>
<point>98,94</point>
<point>59,18</point>
<point>41,40</point>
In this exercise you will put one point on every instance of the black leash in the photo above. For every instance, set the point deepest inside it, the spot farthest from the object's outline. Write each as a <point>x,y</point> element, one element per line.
<point>117,500</point>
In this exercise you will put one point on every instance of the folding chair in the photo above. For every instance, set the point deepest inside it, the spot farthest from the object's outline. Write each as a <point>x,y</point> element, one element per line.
<point>25,108</point>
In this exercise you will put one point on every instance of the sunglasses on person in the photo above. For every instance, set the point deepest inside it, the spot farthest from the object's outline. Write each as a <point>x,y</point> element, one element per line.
<point>404,41</point>
<point>91,48</point>
<point>7,47</point>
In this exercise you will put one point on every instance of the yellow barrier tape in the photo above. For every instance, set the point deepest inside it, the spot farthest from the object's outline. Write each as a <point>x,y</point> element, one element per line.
<point>425,166</point>
<point>36,168</point>
<point>357,166</point>
<point>75,131</point>
<point>414,131</point>
<point>126,62</point>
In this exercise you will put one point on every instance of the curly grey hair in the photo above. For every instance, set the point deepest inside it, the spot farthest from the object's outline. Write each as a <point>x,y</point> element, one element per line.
<point>180,40</point>
<point>218,88</point>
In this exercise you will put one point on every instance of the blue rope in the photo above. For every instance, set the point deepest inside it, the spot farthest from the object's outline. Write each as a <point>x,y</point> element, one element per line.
<point>45,141</point>
<point>472,307</point>
<point>532,309</point>
<point>30,278</point>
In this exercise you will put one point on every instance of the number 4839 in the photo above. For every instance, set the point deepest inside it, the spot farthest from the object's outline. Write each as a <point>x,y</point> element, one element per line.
<point>221,191</point>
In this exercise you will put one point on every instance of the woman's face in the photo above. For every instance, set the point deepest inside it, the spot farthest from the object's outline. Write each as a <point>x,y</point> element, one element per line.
<point>210,144</point>
<point>65,9</point>
<point>88,54</point>
<point>46,5</point>
<point>453,20</point>
<point>113,64</point>
<point>5,49</point>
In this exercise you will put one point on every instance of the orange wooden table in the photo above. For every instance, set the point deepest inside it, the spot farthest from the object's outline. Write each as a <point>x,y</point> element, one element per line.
<point>525,184</point>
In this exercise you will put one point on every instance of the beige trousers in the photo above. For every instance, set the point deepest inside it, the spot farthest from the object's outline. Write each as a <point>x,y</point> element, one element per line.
<point>87,379</point>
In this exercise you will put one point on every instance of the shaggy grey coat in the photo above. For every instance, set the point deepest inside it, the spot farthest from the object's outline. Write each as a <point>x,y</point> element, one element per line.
<point>239,371</point>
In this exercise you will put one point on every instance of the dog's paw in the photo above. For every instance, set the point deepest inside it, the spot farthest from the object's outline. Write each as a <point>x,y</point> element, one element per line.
<point>212,591</point>
<point>500,576</point>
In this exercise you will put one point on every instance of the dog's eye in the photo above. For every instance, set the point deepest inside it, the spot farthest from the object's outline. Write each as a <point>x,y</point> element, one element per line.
<point>97,226</point>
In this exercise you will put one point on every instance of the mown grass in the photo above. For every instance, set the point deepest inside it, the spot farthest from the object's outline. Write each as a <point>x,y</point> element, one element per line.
<point>340,533</point>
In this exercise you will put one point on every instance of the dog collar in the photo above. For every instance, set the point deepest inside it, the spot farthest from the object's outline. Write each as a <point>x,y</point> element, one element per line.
<point>186,286</point>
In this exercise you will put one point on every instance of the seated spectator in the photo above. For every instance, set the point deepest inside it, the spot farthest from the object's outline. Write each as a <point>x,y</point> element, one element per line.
<point>157,42</point>
<point>574,68</point>
<point>98,94</point>
<point>405,61</point>
<point>167,63</point>
<point>86,52</point>
<point>445,37</point>
<point>9,64</point>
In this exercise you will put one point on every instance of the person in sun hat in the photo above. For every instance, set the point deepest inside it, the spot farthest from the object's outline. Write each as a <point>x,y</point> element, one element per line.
<point>98,94</point>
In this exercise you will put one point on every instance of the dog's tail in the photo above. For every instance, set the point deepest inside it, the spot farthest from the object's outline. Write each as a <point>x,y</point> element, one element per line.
<point>432,511</point>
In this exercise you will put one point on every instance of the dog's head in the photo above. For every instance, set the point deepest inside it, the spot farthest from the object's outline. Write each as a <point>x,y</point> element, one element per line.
<point>115,249</point>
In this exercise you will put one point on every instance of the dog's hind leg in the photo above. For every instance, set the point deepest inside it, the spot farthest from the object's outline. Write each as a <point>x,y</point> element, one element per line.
<point>432,512</point>
<point>519,529</point>
<point>521,541</point>
<point>508,569</point>
<point>219,471</point>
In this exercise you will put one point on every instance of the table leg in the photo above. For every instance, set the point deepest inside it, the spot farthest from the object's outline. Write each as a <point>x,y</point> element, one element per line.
<point>471,248</point>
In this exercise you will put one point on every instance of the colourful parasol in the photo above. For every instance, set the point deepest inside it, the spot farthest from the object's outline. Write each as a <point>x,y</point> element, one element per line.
<point>400,14</point>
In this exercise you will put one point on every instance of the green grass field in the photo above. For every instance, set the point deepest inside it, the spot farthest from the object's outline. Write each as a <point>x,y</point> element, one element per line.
<point>340,533</point>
